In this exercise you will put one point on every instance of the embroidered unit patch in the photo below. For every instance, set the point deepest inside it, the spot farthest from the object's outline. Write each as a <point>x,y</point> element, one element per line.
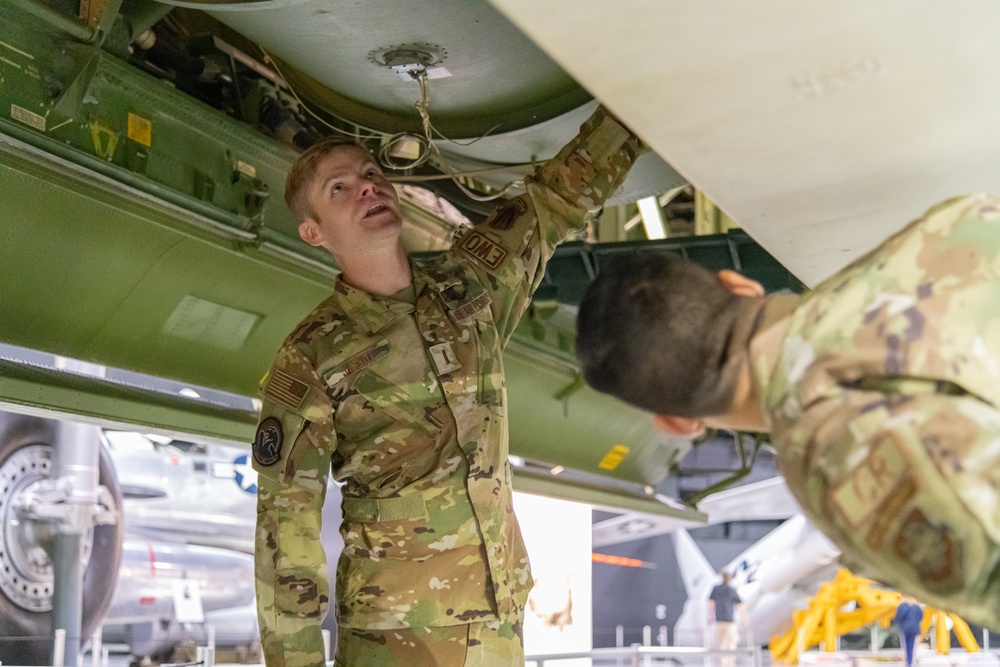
<point>267,442</point>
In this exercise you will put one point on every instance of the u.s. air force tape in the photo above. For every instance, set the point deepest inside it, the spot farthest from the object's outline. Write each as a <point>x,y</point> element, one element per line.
<point>267,442</point>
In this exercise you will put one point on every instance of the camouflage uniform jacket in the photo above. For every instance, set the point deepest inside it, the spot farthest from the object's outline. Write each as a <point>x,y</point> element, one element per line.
<point>882,387</point>
<point>408,403</point>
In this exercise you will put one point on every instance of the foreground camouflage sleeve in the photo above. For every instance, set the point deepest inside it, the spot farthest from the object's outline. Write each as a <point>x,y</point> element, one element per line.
<point>903,479</point>
<point>291,454</point>
<point>884,400</point>
<point>510,249</point>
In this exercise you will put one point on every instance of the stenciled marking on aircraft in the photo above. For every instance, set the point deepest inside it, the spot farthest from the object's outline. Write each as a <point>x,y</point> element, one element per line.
<point>834,79</point>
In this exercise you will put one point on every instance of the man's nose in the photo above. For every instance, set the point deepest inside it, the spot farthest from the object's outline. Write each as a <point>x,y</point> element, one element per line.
<point>367,188</point>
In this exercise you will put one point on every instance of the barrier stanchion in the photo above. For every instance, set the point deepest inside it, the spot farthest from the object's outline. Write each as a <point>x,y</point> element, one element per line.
<point>59,648</point>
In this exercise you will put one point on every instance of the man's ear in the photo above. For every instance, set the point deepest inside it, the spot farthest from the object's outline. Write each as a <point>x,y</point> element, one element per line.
<point>739,284</point>
<point>689,428</point>
<point>309,232</point>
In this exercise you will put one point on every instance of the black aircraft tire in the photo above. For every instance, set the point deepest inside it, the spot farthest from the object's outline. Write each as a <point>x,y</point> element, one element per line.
<point>26,636</point>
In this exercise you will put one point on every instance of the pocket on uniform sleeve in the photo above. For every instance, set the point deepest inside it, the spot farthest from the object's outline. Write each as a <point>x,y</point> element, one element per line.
<point>298,593</point>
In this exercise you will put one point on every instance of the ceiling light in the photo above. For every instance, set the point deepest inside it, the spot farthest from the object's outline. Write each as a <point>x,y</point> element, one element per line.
<point>652,218</point>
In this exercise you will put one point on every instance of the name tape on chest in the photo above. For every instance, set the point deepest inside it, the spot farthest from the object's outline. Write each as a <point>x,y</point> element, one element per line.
<point>484,249</point>
<point>470,308</point>
<point>287,390</point>
<point>357,363</point>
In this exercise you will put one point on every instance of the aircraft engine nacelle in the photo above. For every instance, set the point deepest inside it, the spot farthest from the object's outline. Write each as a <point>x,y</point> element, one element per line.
<point>26,575</point>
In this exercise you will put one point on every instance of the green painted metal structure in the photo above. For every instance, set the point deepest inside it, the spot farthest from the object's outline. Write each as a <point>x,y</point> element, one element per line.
<point>141,229</point>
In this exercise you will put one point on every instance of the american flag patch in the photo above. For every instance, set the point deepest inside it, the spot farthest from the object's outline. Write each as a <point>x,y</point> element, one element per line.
<point>287,390</point>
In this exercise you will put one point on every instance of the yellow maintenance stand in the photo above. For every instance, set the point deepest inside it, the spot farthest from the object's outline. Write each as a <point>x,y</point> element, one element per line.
<point>825,618</point>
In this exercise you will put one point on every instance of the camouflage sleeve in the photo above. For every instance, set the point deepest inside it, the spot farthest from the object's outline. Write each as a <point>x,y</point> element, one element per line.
<point>291,453</point>
<point>510,249</point>
<point>903,481</point>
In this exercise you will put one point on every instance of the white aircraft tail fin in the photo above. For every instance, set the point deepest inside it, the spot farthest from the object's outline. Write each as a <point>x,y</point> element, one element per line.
<point>699,578</point>
<point>695,569</point>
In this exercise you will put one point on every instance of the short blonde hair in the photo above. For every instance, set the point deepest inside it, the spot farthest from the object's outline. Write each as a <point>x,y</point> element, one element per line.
<point>301,175</point>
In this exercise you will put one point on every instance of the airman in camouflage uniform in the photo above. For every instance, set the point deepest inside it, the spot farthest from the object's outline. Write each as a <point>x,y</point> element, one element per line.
<point>404,394</point>
<point>881,390</point>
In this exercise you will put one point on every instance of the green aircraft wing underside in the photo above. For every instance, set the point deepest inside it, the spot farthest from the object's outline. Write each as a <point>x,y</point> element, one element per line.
<point>143,230</point>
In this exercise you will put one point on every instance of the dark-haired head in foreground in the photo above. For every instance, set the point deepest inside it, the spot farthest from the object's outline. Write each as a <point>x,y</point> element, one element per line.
<point>669,336</point>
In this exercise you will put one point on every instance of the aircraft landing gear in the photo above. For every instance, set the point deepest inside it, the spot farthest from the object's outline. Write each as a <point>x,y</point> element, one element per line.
<point>29,524</point>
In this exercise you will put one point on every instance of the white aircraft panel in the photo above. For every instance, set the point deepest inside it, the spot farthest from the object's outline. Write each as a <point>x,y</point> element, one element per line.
<point>820,127</point>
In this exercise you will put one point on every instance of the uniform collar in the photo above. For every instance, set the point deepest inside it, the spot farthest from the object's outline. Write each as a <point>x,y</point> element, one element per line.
<point>766,341</point>
<point>370,311</point>
<point>430,277</point>
<point>433,276</point>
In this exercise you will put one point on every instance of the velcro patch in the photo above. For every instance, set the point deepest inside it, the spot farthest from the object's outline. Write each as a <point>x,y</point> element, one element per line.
<point>287,390</point>
<point>487,251</point>
<point>471,307</point>
<point>444,358</point>
<point>503,218</point>
<point>933,550</point>
<point>871,483</point>
<point>357,363</point>
<point>267,442</point>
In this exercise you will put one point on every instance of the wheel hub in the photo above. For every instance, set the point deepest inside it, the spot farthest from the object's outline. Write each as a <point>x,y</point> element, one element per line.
<point>26,576</point>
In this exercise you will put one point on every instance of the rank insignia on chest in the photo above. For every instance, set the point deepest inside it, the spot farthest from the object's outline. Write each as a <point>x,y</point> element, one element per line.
<point>484,249</point>
<point>267,442</point>
<point>444,358</point>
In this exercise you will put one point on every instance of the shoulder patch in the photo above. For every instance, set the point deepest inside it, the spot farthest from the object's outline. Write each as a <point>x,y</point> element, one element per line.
<point>287,390</point>
<point>484,249</point>
<point>267,442</point>
<point>503,218</point>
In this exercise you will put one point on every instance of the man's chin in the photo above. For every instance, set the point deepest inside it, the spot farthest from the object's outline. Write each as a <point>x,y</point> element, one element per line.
<point>386,221</point>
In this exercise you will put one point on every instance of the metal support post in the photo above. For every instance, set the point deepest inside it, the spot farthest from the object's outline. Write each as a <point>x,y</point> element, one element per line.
<point>326,645</point>
<point>74,464</point>
<point>205,656</point>
<point>59,648</point>
<point>619,641</point>
<point>96,644</point>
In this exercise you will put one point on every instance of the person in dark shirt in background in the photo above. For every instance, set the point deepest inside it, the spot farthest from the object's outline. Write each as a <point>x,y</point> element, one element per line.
<point>723,603</point>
